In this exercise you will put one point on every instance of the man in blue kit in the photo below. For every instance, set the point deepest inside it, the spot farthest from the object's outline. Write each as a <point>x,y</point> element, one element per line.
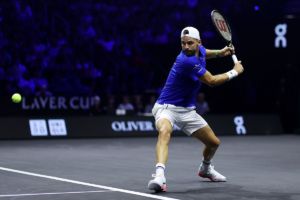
<point>176,105</point>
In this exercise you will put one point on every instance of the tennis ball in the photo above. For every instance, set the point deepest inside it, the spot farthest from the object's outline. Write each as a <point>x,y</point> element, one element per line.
<point>16,98</point>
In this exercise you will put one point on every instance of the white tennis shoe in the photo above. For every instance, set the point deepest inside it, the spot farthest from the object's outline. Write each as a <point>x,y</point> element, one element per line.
<point>158,184</point>
<point>210,173</point>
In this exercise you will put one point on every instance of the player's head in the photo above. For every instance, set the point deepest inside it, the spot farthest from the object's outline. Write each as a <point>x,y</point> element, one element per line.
<point>190,40</point>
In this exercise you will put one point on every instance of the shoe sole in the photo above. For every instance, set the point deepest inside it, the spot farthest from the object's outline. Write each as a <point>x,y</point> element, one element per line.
<point>157,188</point>
<point>213,180</point>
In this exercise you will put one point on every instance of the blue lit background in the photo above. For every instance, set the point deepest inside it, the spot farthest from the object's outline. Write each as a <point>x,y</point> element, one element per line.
<point>126,47</point>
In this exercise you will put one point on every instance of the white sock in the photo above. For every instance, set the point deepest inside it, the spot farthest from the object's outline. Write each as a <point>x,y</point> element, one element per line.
<point>160,169</point>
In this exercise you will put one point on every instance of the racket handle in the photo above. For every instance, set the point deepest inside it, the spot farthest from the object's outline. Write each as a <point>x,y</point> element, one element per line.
<point>234,58</point>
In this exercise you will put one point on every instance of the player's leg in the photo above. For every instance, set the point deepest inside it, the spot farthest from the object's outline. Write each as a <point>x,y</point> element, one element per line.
<point>208,137</point>
<point>164,128</point>
<point>211,142</point>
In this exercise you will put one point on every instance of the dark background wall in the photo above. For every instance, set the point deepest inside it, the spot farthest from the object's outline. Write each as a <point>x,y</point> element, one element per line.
<point>112,49</point>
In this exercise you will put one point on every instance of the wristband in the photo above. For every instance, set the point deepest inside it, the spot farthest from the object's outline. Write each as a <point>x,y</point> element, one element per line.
<point>231,74</point>
<point>217,53</point>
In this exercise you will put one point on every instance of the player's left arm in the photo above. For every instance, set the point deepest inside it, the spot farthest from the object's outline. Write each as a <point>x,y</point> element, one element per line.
<point>218,79</point>
<point>218,53</point>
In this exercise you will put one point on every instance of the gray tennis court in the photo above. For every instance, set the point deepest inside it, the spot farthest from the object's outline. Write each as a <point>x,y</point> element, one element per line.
<point>257,167</point>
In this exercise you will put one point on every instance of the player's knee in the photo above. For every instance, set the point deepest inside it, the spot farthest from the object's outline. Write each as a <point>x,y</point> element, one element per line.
<point>165,133</point>
<point>218,142</point>
<point>164,128</point>
<point>215,143</point>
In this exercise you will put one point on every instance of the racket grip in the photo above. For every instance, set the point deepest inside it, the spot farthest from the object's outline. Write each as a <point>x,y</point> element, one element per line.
<point>234,58</point>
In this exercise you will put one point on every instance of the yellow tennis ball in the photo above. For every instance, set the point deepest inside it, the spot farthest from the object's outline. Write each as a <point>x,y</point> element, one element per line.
<point>16,98</point>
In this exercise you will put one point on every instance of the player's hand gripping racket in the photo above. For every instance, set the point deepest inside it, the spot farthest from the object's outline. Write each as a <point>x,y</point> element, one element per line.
<point>224,29</point>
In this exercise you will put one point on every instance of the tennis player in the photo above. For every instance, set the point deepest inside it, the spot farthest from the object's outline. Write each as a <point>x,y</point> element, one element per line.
<point>176,105</point>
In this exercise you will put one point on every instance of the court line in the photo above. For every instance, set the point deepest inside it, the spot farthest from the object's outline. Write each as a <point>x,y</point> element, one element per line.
<point>51,193</point>
<point>87,184</point>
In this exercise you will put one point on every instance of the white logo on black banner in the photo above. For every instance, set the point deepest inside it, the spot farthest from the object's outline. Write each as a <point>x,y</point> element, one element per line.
<point>132,126</point>
<point>240,128</point>
<point>280,40</point>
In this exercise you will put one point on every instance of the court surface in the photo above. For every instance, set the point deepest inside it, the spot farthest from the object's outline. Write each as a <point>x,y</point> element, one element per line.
<point>257,167</point>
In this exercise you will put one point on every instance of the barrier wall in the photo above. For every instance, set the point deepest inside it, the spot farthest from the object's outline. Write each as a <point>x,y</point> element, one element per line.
<point>127,126</point>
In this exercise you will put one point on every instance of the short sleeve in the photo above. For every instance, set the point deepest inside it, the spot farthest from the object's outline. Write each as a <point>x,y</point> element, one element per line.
<point>191,65</point>
<point>202,51</point>
<point>197,66</point>
<point>199,70</point>
<point>200,65</point>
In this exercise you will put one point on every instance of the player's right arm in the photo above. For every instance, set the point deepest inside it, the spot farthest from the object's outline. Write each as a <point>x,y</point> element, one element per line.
<point>214,80</point>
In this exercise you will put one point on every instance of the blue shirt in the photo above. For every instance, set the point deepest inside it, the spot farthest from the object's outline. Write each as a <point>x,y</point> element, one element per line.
<point>182,85</point>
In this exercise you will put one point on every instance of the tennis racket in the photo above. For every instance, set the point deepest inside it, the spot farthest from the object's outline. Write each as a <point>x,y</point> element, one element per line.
<point>223,28</point>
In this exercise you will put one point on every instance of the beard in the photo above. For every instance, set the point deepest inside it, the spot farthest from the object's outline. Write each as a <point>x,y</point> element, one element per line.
<point>189,52</point>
